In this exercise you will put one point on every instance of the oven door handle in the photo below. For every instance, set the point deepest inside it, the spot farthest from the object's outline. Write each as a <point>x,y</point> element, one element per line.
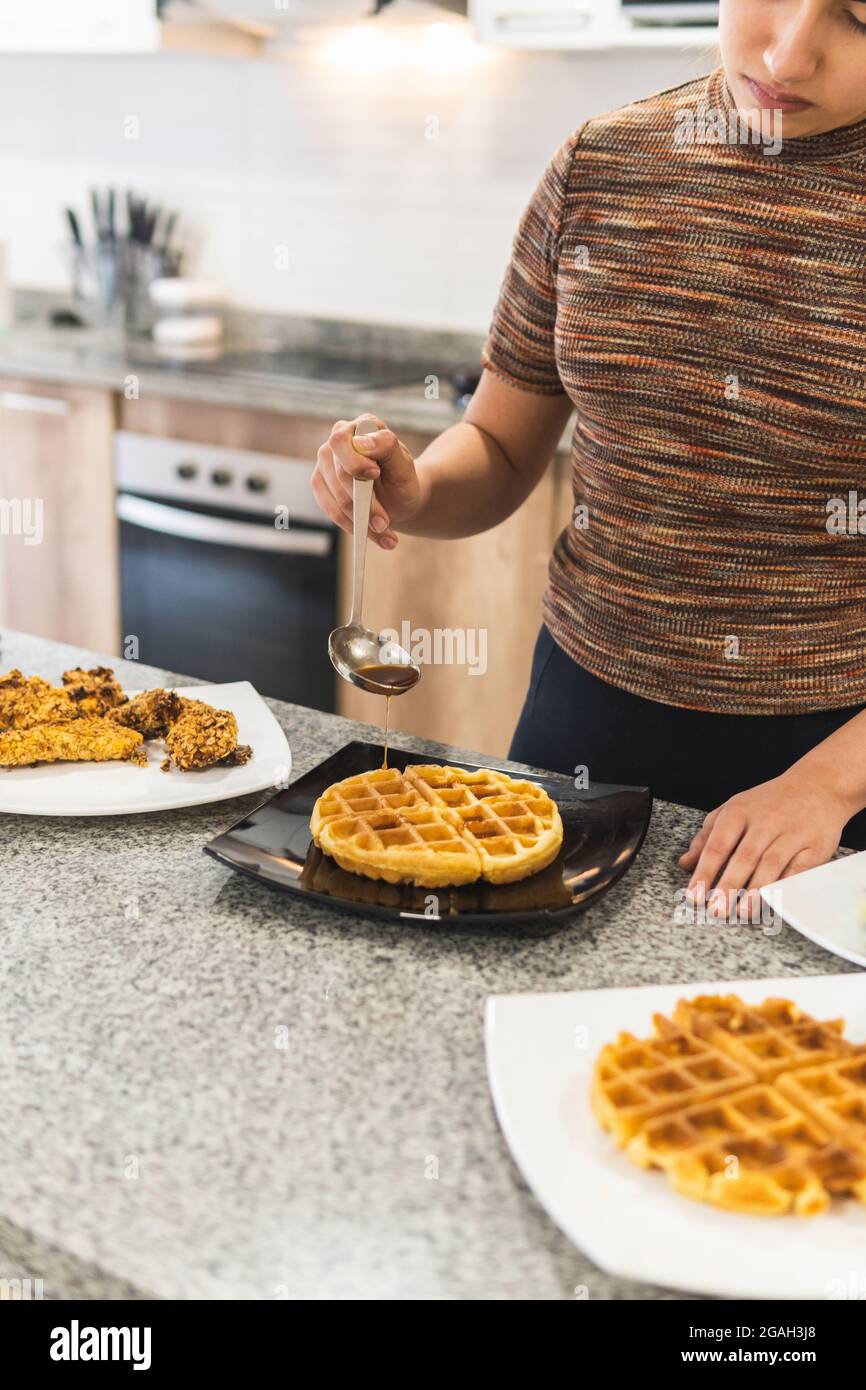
<point>217,530</point>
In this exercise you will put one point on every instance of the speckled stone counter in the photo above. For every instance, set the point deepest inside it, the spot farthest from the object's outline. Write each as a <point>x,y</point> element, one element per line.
<point>156,1142</point>
<point>99,358</point>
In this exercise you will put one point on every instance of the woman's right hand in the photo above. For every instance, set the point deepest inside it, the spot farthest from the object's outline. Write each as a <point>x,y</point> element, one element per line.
<point>397,495</point>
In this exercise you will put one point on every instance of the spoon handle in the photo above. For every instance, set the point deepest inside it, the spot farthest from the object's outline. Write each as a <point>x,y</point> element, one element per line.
<point>362,497</point>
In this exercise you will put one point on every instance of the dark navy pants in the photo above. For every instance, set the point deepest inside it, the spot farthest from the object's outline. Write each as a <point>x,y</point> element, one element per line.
<point>571,718</point>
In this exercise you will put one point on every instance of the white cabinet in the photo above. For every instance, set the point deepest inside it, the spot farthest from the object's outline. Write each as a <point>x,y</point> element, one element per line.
<point>87,26</point>
<point>576,24</point>
<point>540,23</point>
<point>118,26</point>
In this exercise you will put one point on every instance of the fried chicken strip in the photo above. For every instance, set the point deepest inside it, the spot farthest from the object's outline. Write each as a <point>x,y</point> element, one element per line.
<point>87,739</point>
<point>26,702</point>
<point>203,736</point>
<point>90,719</point>
<point>197,735</point>
<point>95,691</point>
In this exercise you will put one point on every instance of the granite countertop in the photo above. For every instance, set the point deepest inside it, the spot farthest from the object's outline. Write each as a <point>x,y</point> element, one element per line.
<point>155,1142</point>
<point>103,358</point>
<point>96,357</point>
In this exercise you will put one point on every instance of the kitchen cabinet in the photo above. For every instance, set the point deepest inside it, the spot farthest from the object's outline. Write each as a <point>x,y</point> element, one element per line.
<point>58,535</point>
<point>475,602</point>
<point>587,24</point>
<point>201,422</point>
<point>133,26</point>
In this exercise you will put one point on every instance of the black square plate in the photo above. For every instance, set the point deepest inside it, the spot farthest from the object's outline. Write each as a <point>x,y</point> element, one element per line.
<point>603,829</point>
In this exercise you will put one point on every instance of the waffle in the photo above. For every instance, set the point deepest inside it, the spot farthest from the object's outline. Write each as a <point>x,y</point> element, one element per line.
<point>756,1109</point>
<point>437,826</point>
<point>751,1150</point>
<point>768,1038</point>
<point>634,1081</point>
<point>834,1095</point>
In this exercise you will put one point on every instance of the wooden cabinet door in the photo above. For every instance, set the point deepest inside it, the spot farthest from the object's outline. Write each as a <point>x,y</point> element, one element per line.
<point>58,533</point>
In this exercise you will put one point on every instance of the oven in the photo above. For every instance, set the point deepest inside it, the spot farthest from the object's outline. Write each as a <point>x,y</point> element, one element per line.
<point>228,569</point>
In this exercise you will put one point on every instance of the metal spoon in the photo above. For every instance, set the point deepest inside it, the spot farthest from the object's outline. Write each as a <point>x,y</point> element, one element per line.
<point>359,655</point>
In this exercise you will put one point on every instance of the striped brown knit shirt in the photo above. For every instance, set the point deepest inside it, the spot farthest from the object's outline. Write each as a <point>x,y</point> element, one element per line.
<point>703,305</point>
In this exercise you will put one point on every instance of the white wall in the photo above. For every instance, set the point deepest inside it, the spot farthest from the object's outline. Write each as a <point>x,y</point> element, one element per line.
<point>312,151</point>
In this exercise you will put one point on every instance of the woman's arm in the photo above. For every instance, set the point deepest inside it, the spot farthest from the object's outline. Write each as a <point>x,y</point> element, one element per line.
<point>839,761</point>
<point>470,478</point>
<point>781,827</point>
<point>478,472</point>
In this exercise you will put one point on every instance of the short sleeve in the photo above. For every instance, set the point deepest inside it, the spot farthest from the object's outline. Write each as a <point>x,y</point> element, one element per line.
<point>520,347</point>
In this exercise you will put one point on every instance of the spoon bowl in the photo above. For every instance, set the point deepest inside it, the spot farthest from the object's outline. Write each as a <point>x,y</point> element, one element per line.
<point>371,661</point>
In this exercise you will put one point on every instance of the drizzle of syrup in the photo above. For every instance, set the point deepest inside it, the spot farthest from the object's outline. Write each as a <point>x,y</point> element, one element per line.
<point>399,678</point>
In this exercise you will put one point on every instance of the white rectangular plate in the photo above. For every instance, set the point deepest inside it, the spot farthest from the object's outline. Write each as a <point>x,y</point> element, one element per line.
<point>122,789</point>
<point>827,904</point>
<point>540,1052</point>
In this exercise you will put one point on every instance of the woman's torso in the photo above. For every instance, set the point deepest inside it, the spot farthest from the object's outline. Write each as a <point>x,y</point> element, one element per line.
<point>710,328</point>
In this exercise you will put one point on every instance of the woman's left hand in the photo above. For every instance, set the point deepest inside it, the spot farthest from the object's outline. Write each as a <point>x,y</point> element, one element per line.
<point>769,832</point>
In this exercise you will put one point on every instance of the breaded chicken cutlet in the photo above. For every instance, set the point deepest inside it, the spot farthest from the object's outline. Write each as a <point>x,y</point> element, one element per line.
<point>91,719</point>
<point>203,737</point>
<point>87,739</point>
<point>95,691</point>
<point>152,712</point>
<point>197,735</point>
<point>27,701</point>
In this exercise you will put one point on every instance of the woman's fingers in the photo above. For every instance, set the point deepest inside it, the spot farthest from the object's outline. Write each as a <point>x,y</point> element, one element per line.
<point>330,503</point>
<point>809,858</point>
<point>778,860</point>
<point>753,864</point>
<point>370,455</point>
<point>351,461</point>
<point>380,456</point>
<point>346,457</point>
<point>332,490</point>
<point>699,840</point>
<point>723,839</point>
<point>383,450</point>
<point>758,837</point>
<point>340,484</point>
<point>782,859</point>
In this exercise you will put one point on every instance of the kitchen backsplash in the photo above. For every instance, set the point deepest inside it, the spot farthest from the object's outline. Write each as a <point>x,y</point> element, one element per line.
<point>315,183</point>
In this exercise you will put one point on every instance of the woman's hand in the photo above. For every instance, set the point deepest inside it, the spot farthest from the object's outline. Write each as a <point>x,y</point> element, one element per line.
<point>771,831</point>
<point>397,492</point>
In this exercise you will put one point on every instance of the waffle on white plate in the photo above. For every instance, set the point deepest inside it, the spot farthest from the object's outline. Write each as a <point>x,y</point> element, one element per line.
<point>437,826</point>
<point>752,1108</point>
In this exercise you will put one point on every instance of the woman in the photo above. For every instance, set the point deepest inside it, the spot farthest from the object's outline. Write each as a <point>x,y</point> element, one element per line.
<point>699,295</point>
